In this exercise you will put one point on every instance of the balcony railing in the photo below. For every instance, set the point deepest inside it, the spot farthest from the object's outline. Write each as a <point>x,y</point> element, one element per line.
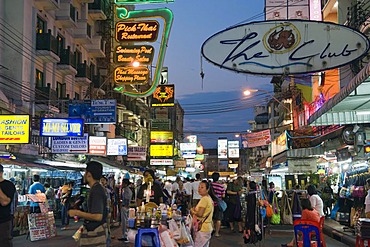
<point>99,9</point>
<point>83,70</point>
<point>67,58</point>
<point>46,41</point>
<point>46,94</point>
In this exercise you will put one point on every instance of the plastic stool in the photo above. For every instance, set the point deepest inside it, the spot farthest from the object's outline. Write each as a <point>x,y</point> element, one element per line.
<point>153,232</point>
<point>360,242</point>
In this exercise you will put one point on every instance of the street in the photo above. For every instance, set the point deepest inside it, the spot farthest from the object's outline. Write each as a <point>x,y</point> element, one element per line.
<point>279,235</point>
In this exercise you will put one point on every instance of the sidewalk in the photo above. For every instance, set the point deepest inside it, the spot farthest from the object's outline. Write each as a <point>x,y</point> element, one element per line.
<point>335,230</point>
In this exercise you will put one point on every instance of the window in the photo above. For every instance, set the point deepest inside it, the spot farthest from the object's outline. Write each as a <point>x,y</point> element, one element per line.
<point>40,25</point>
<point>78,55</point>
<point>88,31</point>
<point>72,12</point>
<point>61,41</point>
<point>77,96</point>
<point>61,90</point>
<point>39,79</point>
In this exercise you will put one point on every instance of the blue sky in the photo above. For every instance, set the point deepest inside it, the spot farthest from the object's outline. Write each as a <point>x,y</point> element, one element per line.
<point>194,22</point>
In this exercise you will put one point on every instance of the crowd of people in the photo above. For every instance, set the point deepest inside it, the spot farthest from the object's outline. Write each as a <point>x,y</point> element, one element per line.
<point>200,198</point>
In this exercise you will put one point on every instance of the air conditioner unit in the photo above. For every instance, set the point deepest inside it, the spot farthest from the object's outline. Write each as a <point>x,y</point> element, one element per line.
<point>101,128</point>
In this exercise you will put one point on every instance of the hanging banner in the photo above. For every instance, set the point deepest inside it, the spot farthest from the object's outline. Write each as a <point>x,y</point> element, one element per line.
<point>256,139</point>
<point>233,149</point>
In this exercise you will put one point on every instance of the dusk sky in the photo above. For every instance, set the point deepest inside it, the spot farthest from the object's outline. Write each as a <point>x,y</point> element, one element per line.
<point>221,92</point>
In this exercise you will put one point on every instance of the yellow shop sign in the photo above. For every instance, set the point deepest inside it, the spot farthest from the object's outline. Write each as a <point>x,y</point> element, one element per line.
<point>14,129</point>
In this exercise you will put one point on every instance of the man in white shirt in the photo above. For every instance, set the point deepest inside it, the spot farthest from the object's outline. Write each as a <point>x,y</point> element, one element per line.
<point>195,185</point>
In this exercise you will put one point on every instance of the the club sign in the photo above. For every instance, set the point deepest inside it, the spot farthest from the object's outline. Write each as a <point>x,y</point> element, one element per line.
<point>294,47</point>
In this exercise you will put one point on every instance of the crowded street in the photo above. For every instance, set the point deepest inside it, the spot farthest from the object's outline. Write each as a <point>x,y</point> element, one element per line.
<point>184,123</point>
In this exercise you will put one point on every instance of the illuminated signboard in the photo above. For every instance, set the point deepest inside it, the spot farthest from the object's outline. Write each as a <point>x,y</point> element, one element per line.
<point>101,111</point>
<point>138,31</point>
<point>65,145</point>
<point>117,146</point>
<point>97,145</point>
<point>61,127</point>
<point>222,148</point>
<point>276,47</point>
<point>136,153</point>
<point>161,136</point>
<point>163,96</point>
<point>142,1</point>
<point>233,149</point>
<point>161,150</point>
<point>134,53</point>
<point>131,75</point>
<point>161,162</point>
<point>14,129</point>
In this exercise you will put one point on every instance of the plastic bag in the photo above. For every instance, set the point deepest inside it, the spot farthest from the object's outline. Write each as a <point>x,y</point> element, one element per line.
<point>174,229</point>
<point>185,237</point>
<point>166,239</point>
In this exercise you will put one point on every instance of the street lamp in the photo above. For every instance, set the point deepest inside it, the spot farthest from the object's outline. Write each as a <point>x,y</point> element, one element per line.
<point>250,91</point>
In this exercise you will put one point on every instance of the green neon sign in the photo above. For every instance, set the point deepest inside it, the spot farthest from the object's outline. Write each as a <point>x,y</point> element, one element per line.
<point>167,15</point>
<point>142,1</point>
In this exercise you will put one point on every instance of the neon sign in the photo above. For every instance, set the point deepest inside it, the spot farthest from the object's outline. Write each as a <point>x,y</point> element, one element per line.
<point>131,75</point>
<point>167,16</point>
<point>137,31</point>
<point>134,53</point>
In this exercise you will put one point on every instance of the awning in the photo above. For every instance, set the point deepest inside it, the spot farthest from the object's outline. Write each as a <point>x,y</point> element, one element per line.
<point>351,105</point>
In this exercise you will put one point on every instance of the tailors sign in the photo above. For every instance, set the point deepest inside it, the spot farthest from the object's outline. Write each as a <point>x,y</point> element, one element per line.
<point>14,129</point>
<point>285,47</point>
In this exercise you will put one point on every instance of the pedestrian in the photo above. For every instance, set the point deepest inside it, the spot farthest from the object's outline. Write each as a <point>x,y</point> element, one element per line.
<point>94,232</point>
<point>219,191</point>
<point>327,198</point>
<point>50,196</point>
<point>7,190</point>
<point>35,188</point>
<point>196,197</point>
<point>204,212</point>
<point>156,195</point>
<point>182,199</point>
<point>126,198</point>
<point>104,183</point>
<point>13,206</point>
<point>316,201</point>
<point>234,190</point>
<point>66,200</point>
